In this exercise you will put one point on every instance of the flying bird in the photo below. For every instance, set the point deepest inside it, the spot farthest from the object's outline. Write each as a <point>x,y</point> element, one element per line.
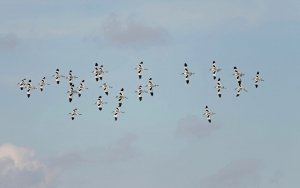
<point>96,72</point>
<point>71,92</point>
<point>22,84</point>
<point>74,113</point>
<point>257,79</point>
<point>29,88</point>
<point>214,69</point>
<point>57,76</point>
<point>116,113</point>
<point>100,103</point>
<point>208,114</point>
<point>71,77</point>
<point>140,69</point>
<point>238,74</point>
<point>140,92</point>
<point>81,87</point>
<point>187,73</point>
<point>121,97</point>
<point>105,88</point>
<point>150,86</point>
<point>43,83</point>
<point>219,87</point>
<point>239,89</point>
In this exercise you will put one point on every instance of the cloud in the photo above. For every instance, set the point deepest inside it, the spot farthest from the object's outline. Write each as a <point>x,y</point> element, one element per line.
<point>8,41</point>
<point>132,32</point>
<point>121,150</point>
<point>20,168</point>
<point>192,126</point>
<point>243,173</point>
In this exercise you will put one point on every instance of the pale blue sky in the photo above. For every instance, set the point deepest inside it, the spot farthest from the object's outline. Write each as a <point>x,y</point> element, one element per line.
<point>163,141</point>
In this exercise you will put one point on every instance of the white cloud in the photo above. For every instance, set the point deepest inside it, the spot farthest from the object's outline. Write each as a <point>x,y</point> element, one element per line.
<point>20,168</point>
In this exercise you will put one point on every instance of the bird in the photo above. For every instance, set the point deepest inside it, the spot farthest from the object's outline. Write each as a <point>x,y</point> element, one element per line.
<point>219,87</point>
<point>71,92</point>
<point>57,76</point>
<point>239,89</point>
<point>43,83</point>
<point>257,79</point>
<point>238,75</point>
<point>96,72</point>
<point>74,113</point>
<point>71,77</point>
<point>81,87</point>
<point>140,69</point>
<point>208,114</point>
<point>140,92</point>
<point>150,86</point>
<point>101,72</point>
<point>105,88</point>
<point>214,69</point>
<point>29,87</point>
<point>121,97</point>
<point>100,103</point>
<point>22,84</point>
<point>116,113</point>
<point>187,73</point>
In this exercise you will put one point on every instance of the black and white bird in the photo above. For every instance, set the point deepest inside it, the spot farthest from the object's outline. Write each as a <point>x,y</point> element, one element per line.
<point>71,77</point>
<point>257,79</point>
<point>121,97</point>
<point>150,86</point>
<point>100,103</point>
<point>22,84</point>
<point>140,92</point>
<point>214,69</point>
<point>74,113</point>
<point>239,89</point>
<point>43,83</point>
<point>140,69</point>
<point>29,88</point>
<point>219,87</point>
<point>80,88</point>
<point>71,92</point>
<point>238,75</point>
<point>208,114</point>
<point>96,72</point>
<point>57,76</point>
<point>117,112</point>
<point>105,88</point>
<point>187,73</point>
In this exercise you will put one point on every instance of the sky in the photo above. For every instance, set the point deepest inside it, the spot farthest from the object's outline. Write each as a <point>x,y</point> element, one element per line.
<point>163,141</point>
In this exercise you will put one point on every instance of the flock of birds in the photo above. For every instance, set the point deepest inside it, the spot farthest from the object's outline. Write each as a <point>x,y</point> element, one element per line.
<point>99,72</point>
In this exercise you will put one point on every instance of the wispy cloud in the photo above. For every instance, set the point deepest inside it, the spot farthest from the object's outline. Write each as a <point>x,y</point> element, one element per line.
<point>8,41</point>
<point>121,150</point>
<point>132,32</point>
<point>192,126</point>
<point>243,173</point>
